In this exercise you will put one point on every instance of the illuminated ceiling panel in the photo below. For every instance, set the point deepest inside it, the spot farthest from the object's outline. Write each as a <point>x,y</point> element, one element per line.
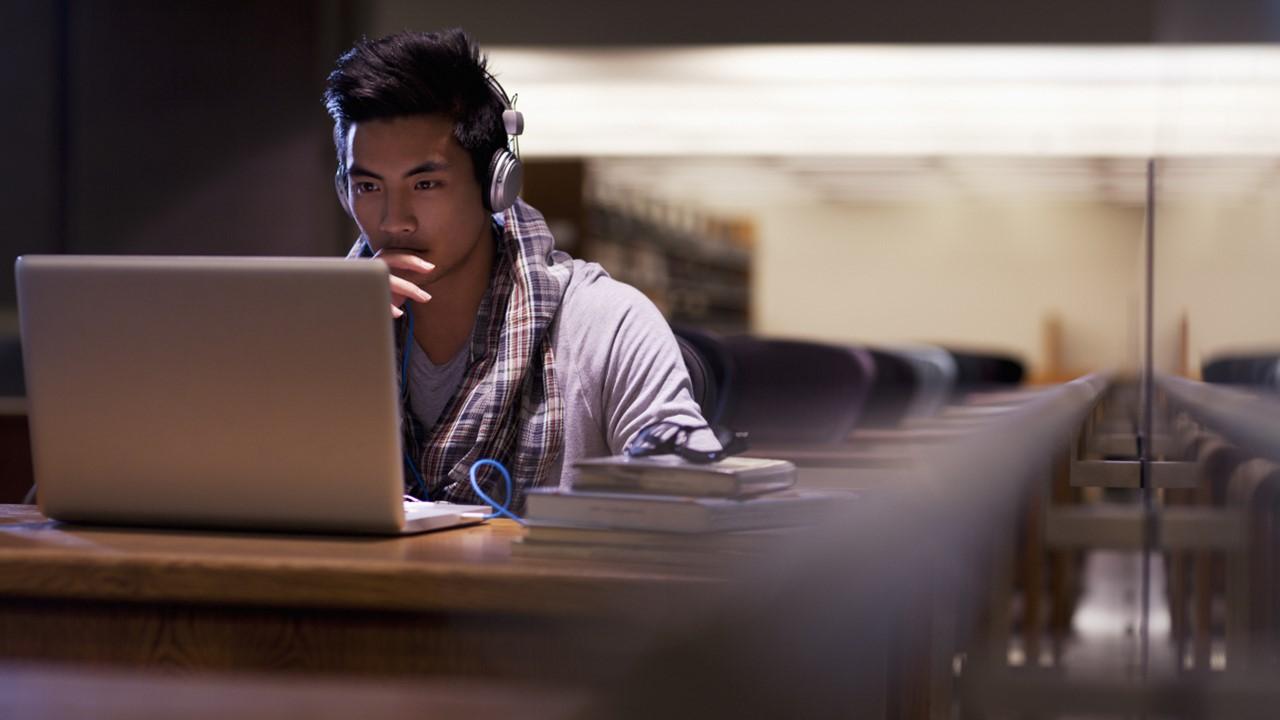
<point>860,101</point>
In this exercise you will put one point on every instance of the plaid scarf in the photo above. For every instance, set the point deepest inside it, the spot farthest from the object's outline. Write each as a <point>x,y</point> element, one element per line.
<point>509,407</point>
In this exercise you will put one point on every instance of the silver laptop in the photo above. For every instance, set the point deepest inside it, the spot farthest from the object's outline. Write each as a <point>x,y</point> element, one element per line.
<point>244,393</point>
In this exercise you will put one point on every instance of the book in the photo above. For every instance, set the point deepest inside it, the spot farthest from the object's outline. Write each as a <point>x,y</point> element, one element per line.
<point>673,475</point>
<point>679,513</point>
<point>746,541</point>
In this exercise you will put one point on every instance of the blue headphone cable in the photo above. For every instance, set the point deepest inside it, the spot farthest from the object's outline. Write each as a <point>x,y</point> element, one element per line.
<point>500,509</point>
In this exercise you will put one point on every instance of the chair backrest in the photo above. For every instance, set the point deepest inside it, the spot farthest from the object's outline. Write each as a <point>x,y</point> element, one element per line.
<point>1253,575</point>
<point>936,371</point>
<point>980,369</point>
<point>795,392</point>
<point>1217,461</point>
<point>1254,370</point>
<point>1216,370</point>
<point>705,392</point>
<point>717,368</point>
<point>893,391</point>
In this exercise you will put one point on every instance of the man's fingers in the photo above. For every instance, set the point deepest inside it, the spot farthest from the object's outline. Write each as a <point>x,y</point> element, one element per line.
<point>402,289</point>
<point>404,261</point>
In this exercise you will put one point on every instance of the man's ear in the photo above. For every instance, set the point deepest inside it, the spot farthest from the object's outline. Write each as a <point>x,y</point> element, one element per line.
<point>340,185</point>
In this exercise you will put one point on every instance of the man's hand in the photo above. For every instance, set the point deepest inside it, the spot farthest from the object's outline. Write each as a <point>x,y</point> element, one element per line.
<point>407,271</point>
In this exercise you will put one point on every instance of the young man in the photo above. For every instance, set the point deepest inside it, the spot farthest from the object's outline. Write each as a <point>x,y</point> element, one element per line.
<point>516,352</point>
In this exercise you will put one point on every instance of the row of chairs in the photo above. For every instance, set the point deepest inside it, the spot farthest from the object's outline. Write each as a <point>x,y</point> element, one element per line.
<point>1255,370</point>
<point>1231,597</point>
<point>804,392</point>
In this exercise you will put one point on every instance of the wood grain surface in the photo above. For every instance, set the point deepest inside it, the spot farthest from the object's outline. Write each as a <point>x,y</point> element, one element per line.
<point>453,602</point>
<point>462,569</point>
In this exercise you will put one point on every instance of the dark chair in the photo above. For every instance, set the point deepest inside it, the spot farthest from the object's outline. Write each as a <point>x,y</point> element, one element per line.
<point>1251,576</point>
<point>1271,374</point>
<point>795,392</point>
<point>979,370</point>
<point>893,391</point>
<point>700,378</point>
<point>1254,370</point>
<point>935,372</point>
<point>1215,371</point>
<point>714,364</point>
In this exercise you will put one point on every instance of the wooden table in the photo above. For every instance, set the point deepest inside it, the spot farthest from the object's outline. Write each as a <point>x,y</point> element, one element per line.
<point>55,692</point>
<point>451,602</point>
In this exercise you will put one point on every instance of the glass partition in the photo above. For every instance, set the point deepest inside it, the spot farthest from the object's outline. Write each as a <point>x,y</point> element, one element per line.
<point>1216,346</point>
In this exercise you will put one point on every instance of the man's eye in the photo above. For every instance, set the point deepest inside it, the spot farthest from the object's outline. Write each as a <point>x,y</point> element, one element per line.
<point>427,184</point>
<point>364,187</point>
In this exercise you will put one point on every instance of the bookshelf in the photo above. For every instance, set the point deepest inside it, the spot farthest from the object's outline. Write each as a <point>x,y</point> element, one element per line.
<point>694,265</point>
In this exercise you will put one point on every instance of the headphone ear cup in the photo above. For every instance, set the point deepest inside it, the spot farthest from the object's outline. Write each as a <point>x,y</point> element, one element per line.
<point>506,174</point>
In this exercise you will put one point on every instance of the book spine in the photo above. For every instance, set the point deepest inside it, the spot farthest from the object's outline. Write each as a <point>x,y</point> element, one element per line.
<point>634,482</point>
<point>751,516</point>
<point>621,514</point>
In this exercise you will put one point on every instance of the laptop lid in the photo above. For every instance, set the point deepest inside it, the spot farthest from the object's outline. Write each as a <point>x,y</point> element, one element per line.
<point>218,392</point>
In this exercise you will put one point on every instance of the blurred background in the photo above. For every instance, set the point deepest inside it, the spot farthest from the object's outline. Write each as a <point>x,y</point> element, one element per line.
<point>923,171</point>
<point>1083,187</point>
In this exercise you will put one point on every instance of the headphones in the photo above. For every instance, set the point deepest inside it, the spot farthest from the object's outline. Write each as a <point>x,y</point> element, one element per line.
<point>502,181</point>
<point>506,172</point>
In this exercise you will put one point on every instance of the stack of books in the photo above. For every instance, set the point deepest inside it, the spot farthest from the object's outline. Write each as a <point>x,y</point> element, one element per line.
<point>665,510</point>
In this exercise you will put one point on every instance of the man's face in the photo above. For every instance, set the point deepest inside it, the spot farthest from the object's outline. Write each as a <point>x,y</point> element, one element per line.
<point>411,187</point>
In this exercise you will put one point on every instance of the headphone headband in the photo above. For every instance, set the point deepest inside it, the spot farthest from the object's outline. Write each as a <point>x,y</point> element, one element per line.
<point>512,119</point>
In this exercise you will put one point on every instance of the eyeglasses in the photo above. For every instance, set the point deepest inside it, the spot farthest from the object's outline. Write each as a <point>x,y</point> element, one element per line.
<point>666,437</point>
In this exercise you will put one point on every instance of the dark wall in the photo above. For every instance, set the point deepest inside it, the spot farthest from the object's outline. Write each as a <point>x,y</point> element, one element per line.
<point>197,127</point>
<point>29,191</point>
<point>150,126</point>
<point>797,21</point>
<point>667,22</point>
<point>1219,21</point>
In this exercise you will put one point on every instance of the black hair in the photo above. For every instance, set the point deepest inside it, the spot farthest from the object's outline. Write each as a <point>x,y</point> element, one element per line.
<point>416,73</point>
